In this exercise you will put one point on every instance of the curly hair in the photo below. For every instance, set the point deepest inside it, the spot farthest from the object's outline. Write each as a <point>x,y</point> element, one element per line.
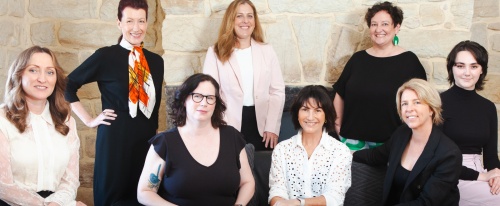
<point>395,12</point>
<point>15,97</point>
<point>178,113</point>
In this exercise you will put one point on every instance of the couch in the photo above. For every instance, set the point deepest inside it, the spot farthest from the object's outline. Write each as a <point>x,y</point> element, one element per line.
<point>367,181</point>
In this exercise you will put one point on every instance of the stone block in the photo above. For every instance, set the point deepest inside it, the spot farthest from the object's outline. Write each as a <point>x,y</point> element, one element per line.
<point>431,43</point>
<point>495,42</point>
<point>67,60</point>
<point>306,6</point>
<point>12,54</point>
<point>4,67</point>
<point>86,173</point>
<point>343,44</point>
<point>4,9</point>
<point>486,8</point>
<point>109,11</point>
<point>493,63</point>
<point>428,68</point>
<point>182,7</point>
<point>12,8</point>
<point>479,33</point>
<point>87,35</point>
<point>67,10</point>
<point>462,11</point>
<point>312,37</point>
<point>280,36</point>
<point>163,115</point>
<point>11,32</point>
<point>494,26</point>
<point>431,14</point>
<point>89,91</point>
<point>189,34</point>
<point>219,6</point>
<point>88,138</point>
<point>440,73</point>
<point>492,88</point>
<point>179,67</point>
<point>43,33</point>
<point>85,195</point>
<point>351,18</point>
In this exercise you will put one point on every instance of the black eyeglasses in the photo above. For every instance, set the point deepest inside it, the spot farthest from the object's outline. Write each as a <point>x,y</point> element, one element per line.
<point>199,97</point>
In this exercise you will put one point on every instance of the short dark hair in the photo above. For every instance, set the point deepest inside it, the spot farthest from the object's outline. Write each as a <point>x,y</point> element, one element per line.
<point>478,52</point>
<point>178,113</point>
<point>320,95</point>
<point>395,12</point>
<point>135,4</point>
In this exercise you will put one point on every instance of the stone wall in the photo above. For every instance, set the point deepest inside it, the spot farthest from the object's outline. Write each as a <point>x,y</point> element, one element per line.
<point>313,40</point>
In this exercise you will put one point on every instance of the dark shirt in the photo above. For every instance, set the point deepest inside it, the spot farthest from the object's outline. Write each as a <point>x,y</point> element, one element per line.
<point>187,182</point>
<point>368,86</point>
<point>398,184</point>
<point>471,121</point>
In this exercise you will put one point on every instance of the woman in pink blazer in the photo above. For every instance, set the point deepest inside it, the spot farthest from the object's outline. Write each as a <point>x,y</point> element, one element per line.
<point>249,74</point>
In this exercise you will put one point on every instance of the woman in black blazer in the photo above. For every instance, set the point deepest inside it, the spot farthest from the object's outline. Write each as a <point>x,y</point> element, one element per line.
<point>423,164</point>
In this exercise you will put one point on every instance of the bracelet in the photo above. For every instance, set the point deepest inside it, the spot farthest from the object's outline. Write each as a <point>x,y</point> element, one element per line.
<point>238,205</point>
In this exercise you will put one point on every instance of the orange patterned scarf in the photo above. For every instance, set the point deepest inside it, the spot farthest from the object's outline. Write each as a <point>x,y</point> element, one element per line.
<point>140,83</point>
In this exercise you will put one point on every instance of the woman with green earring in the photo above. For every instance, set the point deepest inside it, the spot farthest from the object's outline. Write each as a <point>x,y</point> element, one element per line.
<point>364,99</point>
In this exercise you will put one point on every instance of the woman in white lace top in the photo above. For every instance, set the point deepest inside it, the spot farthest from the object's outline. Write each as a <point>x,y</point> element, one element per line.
<point>38,140</point>
<point>310,168</point>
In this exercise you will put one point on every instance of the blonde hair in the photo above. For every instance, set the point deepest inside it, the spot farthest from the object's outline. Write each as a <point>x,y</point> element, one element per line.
<point>15,106</point>
<point>426,93</point>
<point>227,37</point>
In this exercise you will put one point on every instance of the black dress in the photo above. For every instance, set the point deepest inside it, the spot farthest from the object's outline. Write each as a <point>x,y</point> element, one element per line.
<point>187,182</point>
<point>121,147</point>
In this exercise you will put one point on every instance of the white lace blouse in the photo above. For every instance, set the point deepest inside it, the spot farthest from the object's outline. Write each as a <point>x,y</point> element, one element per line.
<point>38,159</point>
<point>327,172</point>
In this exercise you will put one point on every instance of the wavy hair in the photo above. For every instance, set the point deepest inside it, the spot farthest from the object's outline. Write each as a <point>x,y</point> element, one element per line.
<point>395,12</point>
<point>15,106</point>
<point>227,37</point>
<point>178,113</point>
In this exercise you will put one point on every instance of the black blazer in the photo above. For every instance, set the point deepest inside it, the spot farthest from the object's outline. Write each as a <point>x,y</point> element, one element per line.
<point>434,178</point>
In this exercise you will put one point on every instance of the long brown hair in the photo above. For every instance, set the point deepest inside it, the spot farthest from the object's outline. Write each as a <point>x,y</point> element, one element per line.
<point>227,38</point>
<point>15,106</point>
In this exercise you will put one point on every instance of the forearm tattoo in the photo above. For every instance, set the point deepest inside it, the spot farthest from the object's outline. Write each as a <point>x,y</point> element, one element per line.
<point>154,181</point>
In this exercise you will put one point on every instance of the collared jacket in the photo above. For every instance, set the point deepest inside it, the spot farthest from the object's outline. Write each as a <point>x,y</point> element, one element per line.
<point>434,177</point>
<point>269,88</point>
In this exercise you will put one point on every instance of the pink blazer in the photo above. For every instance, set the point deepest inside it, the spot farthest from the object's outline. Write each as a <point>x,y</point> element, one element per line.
<point>269,88</point>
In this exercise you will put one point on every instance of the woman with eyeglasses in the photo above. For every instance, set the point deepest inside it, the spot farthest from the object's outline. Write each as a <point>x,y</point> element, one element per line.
<point>202,160</point>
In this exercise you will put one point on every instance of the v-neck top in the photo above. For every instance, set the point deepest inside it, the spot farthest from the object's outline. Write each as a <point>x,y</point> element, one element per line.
<point>187,182</point>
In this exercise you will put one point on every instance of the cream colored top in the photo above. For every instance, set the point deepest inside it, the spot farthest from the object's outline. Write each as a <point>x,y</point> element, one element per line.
<point>38,159</point>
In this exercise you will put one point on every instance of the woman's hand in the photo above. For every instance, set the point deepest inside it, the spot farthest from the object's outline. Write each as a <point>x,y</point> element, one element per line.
<point>271,139</point>
<point>495,185</point>
<point>107,114</point>
<point>284,202</point>
<point>486,176</point>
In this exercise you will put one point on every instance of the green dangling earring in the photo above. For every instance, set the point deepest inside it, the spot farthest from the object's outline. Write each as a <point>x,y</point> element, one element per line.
<point>395,41</point>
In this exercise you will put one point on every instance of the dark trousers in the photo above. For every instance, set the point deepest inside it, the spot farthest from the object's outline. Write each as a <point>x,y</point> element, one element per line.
<point>250,130</point>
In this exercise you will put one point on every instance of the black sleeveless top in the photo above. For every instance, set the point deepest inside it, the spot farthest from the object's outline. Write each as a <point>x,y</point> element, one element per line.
<point>187,182</point>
